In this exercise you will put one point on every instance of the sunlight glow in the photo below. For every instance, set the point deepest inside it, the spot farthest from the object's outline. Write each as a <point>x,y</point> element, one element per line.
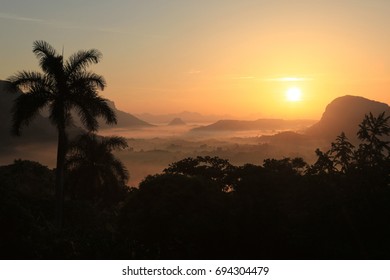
<point>287,79</point>
<point>291,79</point>
<point>293,94</point>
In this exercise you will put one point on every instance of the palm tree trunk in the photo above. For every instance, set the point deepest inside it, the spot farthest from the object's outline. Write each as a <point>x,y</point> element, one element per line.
<point>60,174</point>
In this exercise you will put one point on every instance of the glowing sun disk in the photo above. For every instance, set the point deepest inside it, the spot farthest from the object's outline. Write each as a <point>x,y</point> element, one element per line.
<point>293,94</point>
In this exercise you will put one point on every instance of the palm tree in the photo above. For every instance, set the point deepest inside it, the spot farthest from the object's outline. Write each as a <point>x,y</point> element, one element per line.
<point>95,174</point>
<point>64,86</point>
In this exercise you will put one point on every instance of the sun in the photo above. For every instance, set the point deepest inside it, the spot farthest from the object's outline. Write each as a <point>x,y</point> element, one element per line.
<point>293,94</point>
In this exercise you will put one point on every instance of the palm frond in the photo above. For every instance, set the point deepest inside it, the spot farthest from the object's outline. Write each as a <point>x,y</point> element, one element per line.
<point>89,105</point>
<point>80,60</point>
<point>87,117</point>
<point>120,170</point>
<point>114,142</point>
<point>49,60</point>
<point>96,174</point>
<point>103,110</point>
<point>26,107</point>
<point>79,145</point>
<point>86,80</point>
<point>74,160</point>
<point>43,49</point>
<point>25,80</point>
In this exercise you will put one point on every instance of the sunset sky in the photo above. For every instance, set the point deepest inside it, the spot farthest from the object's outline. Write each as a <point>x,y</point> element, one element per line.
<point>236,57</point>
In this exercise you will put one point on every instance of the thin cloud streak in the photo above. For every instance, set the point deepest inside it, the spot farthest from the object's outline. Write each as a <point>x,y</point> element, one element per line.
<point>19,18</point>
<point>65,25</point>
<point>287,79</point>
<point>194,72</point>
<point>244,78</point>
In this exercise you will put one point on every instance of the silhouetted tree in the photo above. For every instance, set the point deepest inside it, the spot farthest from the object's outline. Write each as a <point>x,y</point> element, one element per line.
<point>287,165</point>
<point>323,165</point>
<point>94,172</point>
<point>62,87</point>
<point>175,216</point>
<point>342,152</point>
<point>374,148</point>
<point>27,219</point>
<point>213,168</point>
<point>26,189</point>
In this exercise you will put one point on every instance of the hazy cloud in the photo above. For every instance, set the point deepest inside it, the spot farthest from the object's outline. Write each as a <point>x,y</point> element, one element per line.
<point>67,25</point>
<point>194,72</point>
<point>19,18</point>
<point>287,79</point>
<point>245,78</point>
<point>109,30</point>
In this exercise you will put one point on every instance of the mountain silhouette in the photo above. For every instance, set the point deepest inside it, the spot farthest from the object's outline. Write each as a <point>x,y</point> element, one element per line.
<point>285,138</point>
<point>176,122</point>
<point>125,120</point>
<point>345,114</point>
<point>260,124</point>
<point>41,128</point>
<point>188,117</point>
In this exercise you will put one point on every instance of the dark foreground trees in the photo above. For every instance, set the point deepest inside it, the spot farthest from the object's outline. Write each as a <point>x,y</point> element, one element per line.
<point>175,216</point>
<point>28,222</point>
<point>62,87</point>
<point>207,208</point>
<point>375,149</point>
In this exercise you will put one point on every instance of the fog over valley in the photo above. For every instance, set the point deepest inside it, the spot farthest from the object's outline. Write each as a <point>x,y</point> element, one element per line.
<point>172,137</point>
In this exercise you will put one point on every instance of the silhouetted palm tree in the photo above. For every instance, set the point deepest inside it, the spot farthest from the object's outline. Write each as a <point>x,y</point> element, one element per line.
<point>94,172</point>
<point>62,87</point>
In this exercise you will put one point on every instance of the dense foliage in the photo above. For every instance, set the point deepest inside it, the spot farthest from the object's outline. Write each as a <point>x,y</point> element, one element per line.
<point>205,207</point>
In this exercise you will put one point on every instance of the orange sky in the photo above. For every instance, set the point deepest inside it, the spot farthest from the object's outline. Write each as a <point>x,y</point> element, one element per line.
<point>219,57</point>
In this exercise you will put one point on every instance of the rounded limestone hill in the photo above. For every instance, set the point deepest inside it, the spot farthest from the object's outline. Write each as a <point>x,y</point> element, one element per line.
<point>176,122</point>
<point>344,114</point>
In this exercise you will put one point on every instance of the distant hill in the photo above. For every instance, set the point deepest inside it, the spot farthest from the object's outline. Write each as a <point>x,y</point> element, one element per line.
<point>260,124</point>
<point>289,137</point>
<point>345,114</point>
<point>125,119</point>
<point>188,117</point>
<point>342,114</point>
<point>42,129</point>
<point>176,121</point>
